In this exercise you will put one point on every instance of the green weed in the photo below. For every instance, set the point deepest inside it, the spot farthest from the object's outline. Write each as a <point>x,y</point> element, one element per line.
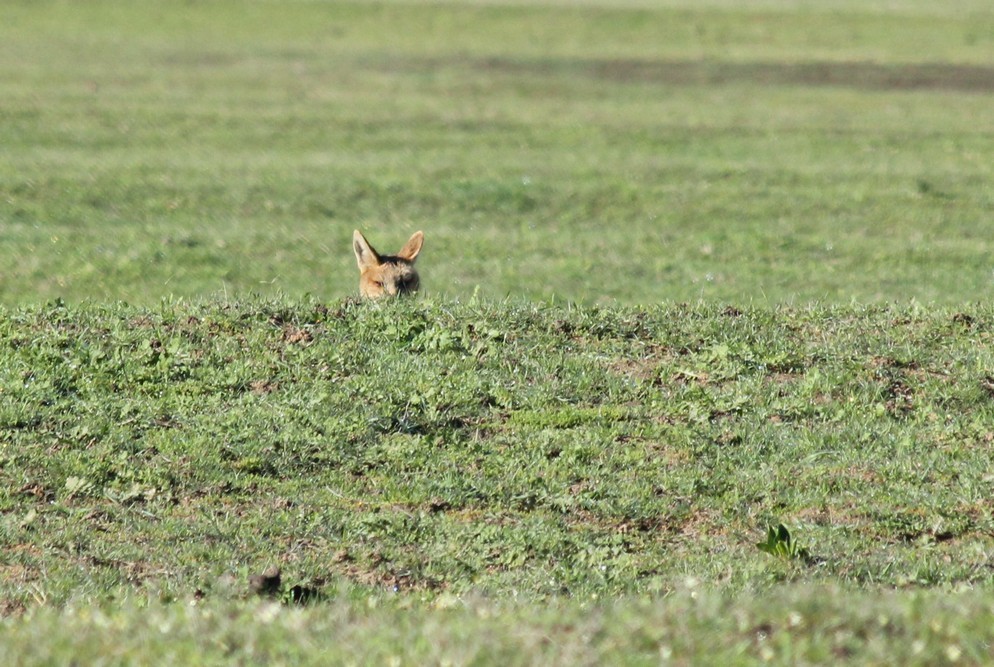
<point>780,544</point>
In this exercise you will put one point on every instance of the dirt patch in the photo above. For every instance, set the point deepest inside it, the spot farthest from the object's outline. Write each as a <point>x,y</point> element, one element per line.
<point>262,387</point>
<point>293,335</point>
<point>642,366</point>
<point>640,369</point>
<point>12,607</point>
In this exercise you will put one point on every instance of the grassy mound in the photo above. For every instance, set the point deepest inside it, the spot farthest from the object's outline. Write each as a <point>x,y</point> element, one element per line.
<point>431,452</point>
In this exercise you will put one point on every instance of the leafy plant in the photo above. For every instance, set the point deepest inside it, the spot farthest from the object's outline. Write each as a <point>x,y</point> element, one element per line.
<point>780,544</point>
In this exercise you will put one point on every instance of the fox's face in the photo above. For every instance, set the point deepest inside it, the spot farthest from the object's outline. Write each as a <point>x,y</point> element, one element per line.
<point>387,275</point>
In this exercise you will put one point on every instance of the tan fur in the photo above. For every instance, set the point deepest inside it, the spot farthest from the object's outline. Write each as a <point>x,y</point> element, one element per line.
<point>387,275</point>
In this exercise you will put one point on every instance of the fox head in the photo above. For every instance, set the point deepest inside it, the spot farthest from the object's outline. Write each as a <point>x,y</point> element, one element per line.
<point>387,275</point>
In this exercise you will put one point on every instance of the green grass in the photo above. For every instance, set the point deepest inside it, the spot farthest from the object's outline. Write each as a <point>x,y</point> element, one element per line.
<point>426,453</point>
<point>816,626</point>
<point>597,154</point>
<point>693,271</point>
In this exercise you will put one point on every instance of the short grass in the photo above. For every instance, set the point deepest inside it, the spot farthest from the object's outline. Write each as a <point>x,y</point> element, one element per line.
<point>693,270</point>
<point>607,152</point>
<point>489,454</point>
<point>809,626</point>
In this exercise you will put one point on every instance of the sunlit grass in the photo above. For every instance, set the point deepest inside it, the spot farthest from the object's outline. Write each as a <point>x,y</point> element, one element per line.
<point>549,458</point>
<point>598,155</point>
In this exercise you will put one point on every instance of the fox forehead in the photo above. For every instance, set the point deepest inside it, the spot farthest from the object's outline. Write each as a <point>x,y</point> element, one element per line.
<point>393,267</point>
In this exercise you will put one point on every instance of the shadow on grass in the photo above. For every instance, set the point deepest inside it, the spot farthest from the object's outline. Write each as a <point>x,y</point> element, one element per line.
<point>861,75</point>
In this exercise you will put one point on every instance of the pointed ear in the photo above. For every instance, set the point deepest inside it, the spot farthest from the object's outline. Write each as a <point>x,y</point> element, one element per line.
<point>412,247</point>
<point>365,254</point>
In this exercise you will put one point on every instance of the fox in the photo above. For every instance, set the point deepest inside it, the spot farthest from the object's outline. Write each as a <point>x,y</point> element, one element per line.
<point>387,275</point>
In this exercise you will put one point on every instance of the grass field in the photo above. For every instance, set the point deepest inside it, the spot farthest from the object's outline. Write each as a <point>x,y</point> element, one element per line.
<point>453,462</point>
<point>692,270</point>
<point>598,154</point>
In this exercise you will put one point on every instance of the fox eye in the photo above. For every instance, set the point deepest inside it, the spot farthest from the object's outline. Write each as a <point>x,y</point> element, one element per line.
<point>378,283</point>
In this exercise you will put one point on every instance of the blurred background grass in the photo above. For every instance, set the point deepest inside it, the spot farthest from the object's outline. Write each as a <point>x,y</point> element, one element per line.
<point>598,152</point>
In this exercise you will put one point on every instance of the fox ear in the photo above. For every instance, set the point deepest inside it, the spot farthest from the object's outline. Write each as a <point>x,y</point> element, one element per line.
<point>412,247</point>
<point>365,254</point>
